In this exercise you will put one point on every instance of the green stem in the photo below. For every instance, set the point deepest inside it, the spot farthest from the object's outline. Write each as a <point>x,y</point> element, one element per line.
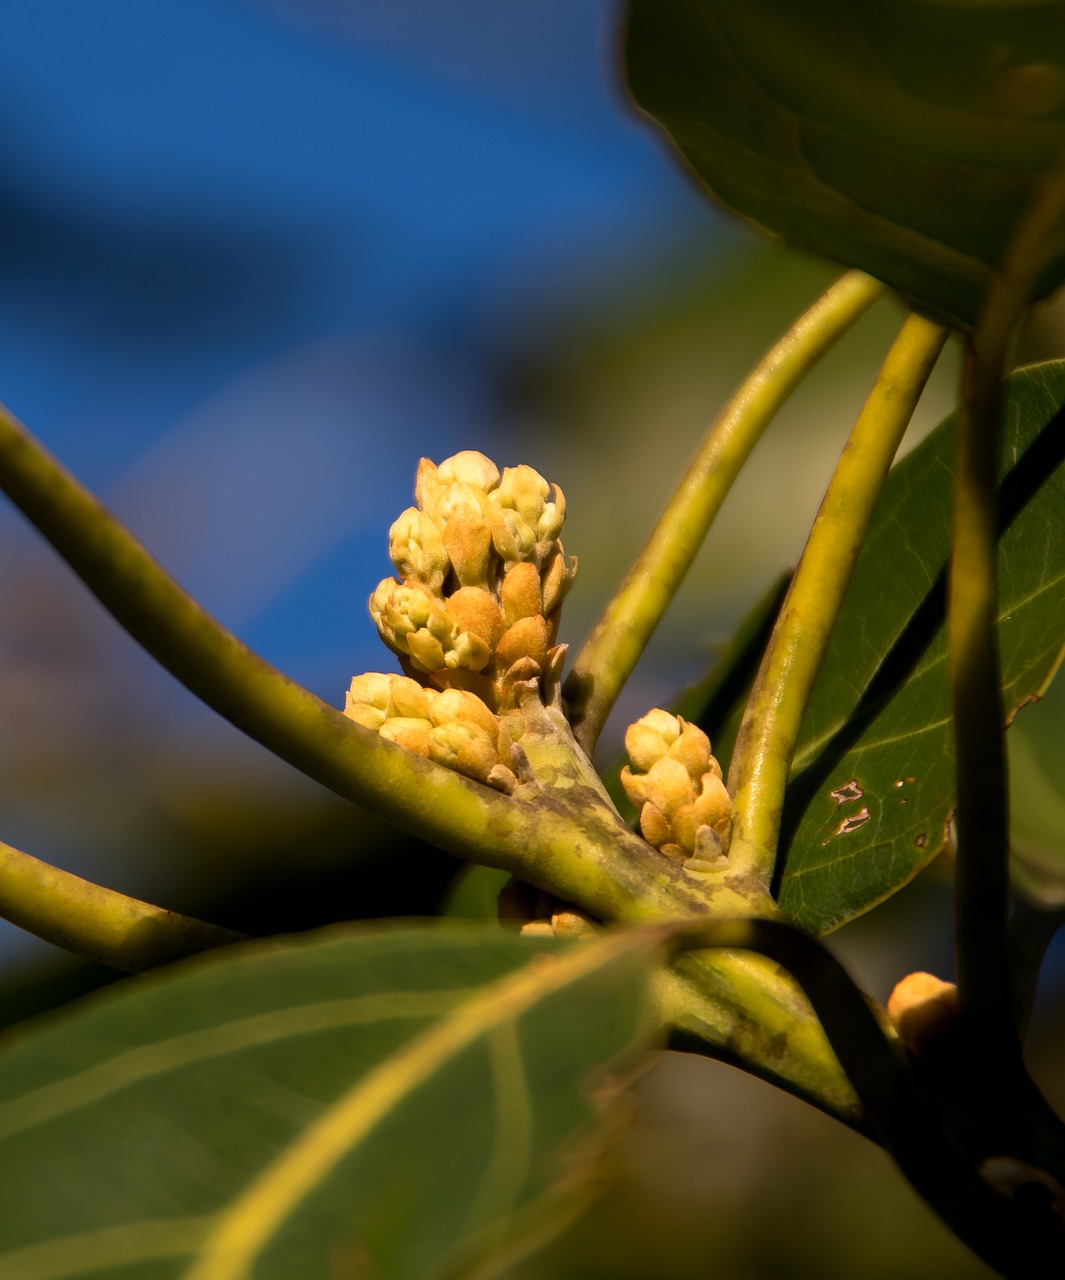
<point>95,923</point>
<point>765,746</point>
<point>982,813</point>
<point>612,650</point>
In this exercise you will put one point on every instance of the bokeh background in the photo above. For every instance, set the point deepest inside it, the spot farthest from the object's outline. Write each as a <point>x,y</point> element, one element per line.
<point>259,256</point>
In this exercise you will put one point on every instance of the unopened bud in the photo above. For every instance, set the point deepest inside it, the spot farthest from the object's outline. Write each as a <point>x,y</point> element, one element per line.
<point>922,1007</point>
<point>476,610</point>
<point>513,537</point>
<point>405,731</point>
<point>651,737</point>
<point>470,467</point>
<point>373,698</point>
<point>417,549</point>
<point>669,786</point>
<point>465,748</point>
<point>557,578</point>
<point>519,593</point>
<point>459,706</point>
<point>685,809</point>
<point>527,638</point>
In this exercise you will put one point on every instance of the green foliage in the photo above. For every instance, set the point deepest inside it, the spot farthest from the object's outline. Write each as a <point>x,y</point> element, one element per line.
<point>325,1093</point>
<point>422,1101</point>
<point>903,138</point>
<point>871,796</point>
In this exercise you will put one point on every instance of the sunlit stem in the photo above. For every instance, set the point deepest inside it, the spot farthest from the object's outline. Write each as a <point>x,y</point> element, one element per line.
<point>96,923</point>
<point>619,638</point>
<point>765,746</point>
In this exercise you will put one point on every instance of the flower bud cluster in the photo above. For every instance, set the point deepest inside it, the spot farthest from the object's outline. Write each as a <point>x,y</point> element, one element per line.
<point>482,575</point>
<point>685,809</point>
<point>451,726</point>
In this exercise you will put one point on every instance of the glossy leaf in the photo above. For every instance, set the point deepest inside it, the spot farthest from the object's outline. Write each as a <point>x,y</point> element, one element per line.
<point>871,796</point>
<point>382,1102</point>
<point>904,138</point>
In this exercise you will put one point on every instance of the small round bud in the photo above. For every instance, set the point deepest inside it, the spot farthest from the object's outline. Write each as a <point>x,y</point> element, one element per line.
<point>635,785</point>
<point>669,785</point>
<point>476,610</point>
<point>416,548</point>
<point>470,467</point>
<point>651,737</point>
<point>458,706</point>
<point>922,1007</point>
<point>692,749</point>
<point>407,732</point>
<point>464,747</point>
<point>513,537</point>
<point>527,638</point>
<point>654,826</point>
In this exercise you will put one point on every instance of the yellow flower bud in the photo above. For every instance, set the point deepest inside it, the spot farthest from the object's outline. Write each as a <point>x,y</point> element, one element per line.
<point>362,713</point>
<point>405,731</point>
<point>374,698</point>
<point>465,748</point>
<point>469,467</point>
<point>513,537</point>
<point>425,651</point>
<point>476,610</point>
<point>469,544</point>
<point>409,698</point>
<point>519,593</point>
<point>922,1007</point>
<point>467,652</point>
<point>557,578</point>
<point>669,785</point>
<point>635,785</point>
<point>527,638</point>
<point>650,738</point>
<point>459,706</point>
<point>692,749</point>
<point>417,549</point>
<point>713,808</point>
<point>654,826</point>
<point>525,490</point>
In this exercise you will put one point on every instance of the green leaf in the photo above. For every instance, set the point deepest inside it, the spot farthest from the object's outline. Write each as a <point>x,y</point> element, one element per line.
<point>386,1102</point>
<point>905,138</point>
<point>871,795</point>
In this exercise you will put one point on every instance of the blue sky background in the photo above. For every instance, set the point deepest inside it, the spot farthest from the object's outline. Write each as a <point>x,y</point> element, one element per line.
<point>256,258</point>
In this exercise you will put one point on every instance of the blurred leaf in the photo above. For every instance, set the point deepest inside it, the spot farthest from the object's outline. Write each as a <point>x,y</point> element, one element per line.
<point>408,1091</point>
<point>902,138</point>
<point>873,787</point>
<point>1037,811</point>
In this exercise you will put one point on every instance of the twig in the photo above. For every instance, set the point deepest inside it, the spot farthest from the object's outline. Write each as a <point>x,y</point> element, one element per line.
<point>612,650</point>
<point>765,746</point>
<point>96,923</point>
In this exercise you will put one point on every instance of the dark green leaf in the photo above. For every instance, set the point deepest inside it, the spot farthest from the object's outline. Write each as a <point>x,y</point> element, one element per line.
<point>382,1102</point>
<point>871,796</point>
<point>902,138</point>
